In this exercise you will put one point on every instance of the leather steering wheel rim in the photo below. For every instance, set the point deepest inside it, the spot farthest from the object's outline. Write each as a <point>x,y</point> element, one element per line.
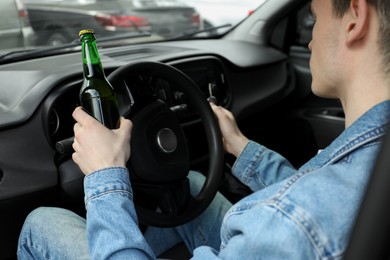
<point>214,139</point>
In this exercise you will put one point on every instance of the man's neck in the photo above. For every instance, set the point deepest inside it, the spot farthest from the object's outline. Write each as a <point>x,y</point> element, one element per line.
<point>359,101</point>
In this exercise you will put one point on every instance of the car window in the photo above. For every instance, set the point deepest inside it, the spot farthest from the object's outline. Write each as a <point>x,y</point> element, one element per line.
<point>305,23</point>
<point>29,24</point>
<point>298,26</point>
<point>9,19</point>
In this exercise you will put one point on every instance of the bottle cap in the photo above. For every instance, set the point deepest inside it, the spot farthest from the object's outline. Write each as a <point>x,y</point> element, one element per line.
<point>85,31</point>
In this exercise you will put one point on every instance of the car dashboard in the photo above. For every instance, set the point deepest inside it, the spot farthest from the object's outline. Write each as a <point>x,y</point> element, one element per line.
<point>207,72</point>
<point>39,97</point>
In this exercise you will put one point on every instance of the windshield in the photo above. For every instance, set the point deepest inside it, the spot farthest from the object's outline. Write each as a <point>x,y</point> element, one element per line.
<point>27,25</point>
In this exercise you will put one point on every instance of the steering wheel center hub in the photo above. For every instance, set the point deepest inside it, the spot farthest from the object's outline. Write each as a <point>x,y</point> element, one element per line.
<point>167,140</point>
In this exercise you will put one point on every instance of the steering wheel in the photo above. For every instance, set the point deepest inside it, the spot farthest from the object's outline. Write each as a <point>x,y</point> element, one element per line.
<point>159,162</point>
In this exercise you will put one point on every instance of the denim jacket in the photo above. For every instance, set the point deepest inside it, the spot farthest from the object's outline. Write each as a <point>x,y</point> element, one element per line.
<point>292,214</point>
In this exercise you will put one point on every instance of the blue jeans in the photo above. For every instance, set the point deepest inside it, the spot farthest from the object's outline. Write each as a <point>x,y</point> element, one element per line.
<point>55,233</point>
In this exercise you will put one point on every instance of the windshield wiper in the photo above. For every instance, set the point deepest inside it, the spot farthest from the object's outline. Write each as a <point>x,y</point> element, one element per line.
<point>36,52</point>
<point>189,34</point>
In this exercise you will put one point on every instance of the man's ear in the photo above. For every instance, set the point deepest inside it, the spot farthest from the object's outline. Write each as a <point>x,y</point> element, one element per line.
<point>358,21</point>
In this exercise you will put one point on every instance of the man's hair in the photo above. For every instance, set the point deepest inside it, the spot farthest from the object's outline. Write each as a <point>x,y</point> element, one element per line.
<point>382,7</point>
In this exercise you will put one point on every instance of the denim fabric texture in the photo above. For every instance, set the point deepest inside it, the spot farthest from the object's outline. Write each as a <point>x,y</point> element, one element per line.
<point>305,213</point>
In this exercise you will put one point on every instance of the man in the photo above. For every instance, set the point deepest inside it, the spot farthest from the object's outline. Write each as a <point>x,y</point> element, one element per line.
<point>292,214</point>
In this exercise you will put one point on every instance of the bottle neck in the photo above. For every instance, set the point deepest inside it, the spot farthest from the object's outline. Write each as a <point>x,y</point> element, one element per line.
<point>92,66</point>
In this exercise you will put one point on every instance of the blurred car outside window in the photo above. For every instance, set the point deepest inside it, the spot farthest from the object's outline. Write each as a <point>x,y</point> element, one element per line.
<point>220,12</point>
<point>44,23</point>
<point>15,28</point>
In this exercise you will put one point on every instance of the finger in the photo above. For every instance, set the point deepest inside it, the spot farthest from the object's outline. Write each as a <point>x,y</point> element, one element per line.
<point>75,158</point>
<point>217,108</point>
<point>76,127</point>
<point>218,111</point>
<point>125,129</point>
<point>82,117</point>
<point>75,144</point>
<point>213,105</point>
<point>126,124</point>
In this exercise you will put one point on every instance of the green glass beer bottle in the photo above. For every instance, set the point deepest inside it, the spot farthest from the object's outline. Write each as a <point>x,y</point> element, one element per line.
<point>97,96</point>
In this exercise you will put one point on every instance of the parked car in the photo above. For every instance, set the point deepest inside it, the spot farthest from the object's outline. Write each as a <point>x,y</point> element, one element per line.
<point>259,70</point>
<point>59,21</point>
<point>15,28</point>
<point>221,12</point>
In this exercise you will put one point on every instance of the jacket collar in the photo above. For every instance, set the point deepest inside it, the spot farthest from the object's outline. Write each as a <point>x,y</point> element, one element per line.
<point>369,127</point>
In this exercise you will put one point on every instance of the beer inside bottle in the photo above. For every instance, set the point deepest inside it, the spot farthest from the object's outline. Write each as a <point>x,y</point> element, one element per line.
<point>97,96</point>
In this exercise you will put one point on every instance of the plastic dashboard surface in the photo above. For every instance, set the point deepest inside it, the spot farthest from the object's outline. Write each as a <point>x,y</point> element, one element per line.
<point>39,95</point>
<point>25,84</point>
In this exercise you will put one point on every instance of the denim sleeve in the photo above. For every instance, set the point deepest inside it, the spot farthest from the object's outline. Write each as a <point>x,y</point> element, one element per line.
<point>258,167</point>
<point>281,237</point>
<point>112,229</point>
